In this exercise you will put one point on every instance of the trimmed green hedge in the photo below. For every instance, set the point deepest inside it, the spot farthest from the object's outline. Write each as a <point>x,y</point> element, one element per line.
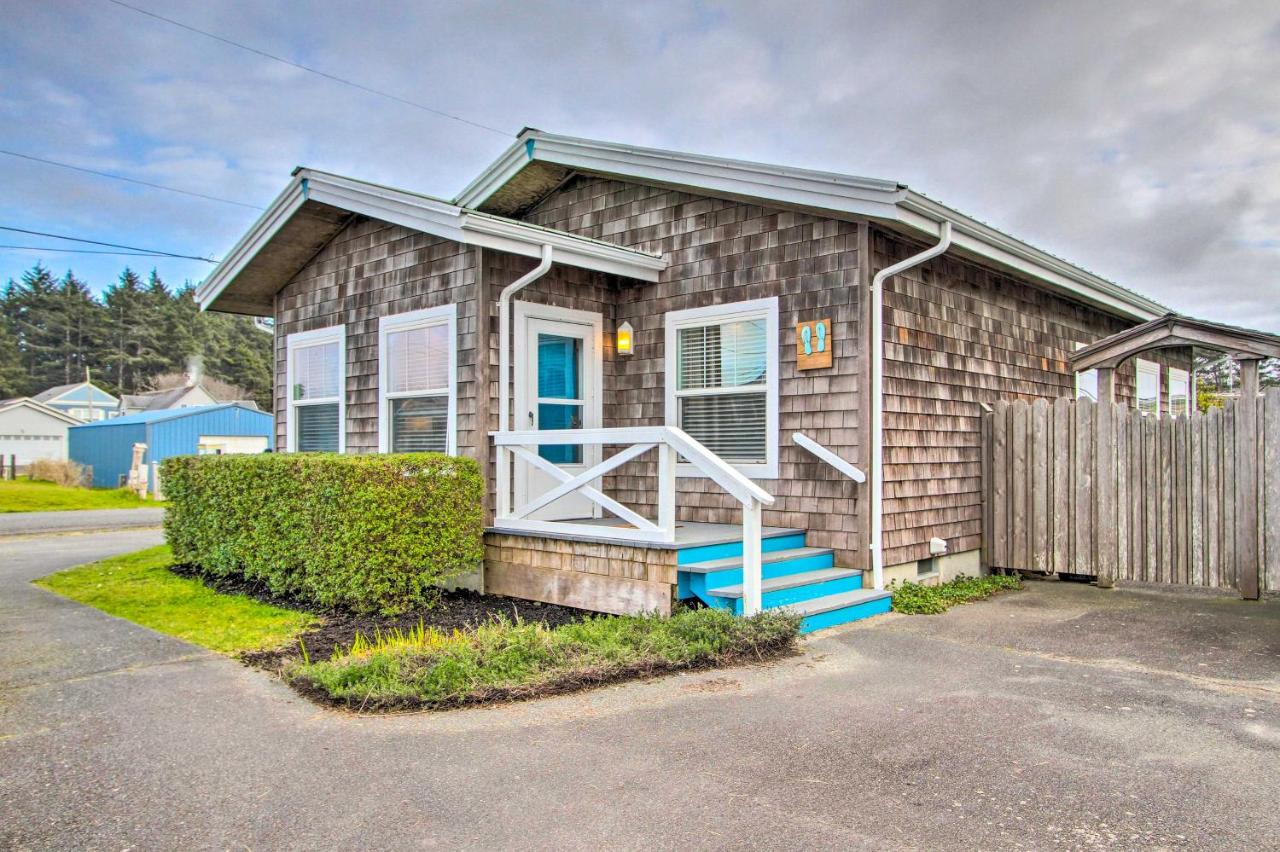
<point>375,532</point>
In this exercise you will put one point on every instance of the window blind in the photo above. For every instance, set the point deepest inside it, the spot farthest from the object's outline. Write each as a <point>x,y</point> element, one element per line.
<point>418,359</point>
<point>733,426</point>
<point>317,427</point>
<point>316,372</point>
<point>420,424</point>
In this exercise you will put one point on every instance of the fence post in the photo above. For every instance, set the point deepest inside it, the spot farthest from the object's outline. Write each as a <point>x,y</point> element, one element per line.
<point>1246,491</point>
<point>1104,494</point>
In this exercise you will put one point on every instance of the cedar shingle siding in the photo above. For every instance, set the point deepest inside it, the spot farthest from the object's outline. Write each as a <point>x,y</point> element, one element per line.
<point>956,334</point>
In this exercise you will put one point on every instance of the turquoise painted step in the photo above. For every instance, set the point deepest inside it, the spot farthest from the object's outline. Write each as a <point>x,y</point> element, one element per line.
<point>793,588</point>
<point>695,579</point>
<point>841,608</point>
<point>780,539</point>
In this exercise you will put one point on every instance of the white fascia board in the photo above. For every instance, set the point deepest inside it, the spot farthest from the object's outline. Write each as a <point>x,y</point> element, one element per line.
<point>510,236</point>
<point>258,235</point>
<point>923,214</point>
<point>814,191</point>
<point>400,208</point>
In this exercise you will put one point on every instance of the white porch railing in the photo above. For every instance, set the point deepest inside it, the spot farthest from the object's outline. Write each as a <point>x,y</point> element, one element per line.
<point>671,444</point>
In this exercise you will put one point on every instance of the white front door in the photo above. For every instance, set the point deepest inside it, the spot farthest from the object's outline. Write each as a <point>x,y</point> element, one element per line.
<point>557,372</point>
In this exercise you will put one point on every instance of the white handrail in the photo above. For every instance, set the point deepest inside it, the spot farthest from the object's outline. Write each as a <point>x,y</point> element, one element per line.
<point>826,455</point>
<point>671,443</point>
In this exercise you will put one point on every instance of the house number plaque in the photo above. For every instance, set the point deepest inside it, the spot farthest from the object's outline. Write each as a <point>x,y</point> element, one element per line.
<point>813,345</point>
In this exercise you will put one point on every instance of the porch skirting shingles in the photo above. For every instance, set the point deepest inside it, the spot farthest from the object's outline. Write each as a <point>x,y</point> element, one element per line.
<point>722,252</point>
<point>602,577</point>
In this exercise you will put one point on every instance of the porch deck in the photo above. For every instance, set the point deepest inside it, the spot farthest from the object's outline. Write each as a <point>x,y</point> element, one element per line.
<point>688,534</point>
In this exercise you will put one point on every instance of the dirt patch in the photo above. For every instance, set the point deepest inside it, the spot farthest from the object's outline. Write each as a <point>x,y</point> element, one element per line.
<point>455,610</point>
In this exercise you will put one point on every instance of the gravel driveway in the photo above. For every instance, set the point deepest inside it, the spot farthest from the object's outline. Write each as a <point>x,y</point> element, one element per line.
<point>1061,716</point>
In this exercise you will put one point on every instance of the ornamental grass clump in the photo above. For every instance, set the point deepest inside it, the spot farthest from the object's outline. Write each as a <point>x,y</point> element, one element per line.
<point>376,533</point>
<point>505,661</point>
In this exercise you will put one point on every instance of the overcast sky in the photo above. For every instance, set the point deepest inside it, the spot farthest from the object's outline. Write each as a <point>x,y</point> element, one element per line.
<point>1139,141</point>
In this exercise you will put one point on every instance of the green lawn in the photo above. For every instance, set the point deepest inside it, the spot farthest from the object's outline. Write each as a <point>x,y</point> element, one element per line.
<point>139,587</point>
<point>24,495</point>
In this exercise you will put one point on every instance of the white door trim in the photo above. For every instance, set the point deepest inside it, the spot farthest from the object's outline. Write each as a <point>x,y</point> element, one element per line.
<point>593,390</point>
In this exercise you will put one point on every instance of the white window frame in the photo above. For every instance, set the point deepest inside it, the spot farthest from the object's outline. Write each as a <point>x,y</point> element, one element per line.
<point>446,315</point>
<point>1175,377</point>
<point>1150,368</point>
<point>302,340</point>
<point>715,314</point>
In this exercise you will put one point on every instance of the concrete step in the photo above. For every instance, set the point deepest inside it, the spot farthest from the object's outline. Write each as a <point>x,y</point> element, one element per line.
<point>790,581</point>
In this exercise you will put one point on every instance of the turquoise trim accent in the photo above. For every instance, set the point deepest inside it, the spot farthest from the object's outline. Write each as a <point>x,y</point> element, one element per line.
<point>305,188</point>
<point>528,148</point>
<point>845,615</point>
<point>734,548</point>
<point>782,597</point>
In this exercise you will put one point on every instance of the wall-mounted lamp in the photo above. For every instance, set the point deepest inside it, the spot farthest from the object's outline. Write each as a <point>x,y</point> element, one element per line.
<point>625,341</point>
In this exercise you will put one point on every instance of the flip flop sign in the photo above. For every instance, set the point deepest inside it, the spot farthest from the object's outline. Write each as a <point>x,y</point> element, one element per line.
<point>813,344</point>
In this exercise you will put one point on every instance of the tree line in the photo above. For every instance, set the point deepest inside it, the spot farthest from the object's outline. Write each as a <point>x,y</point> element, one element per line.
<point>53,329</point>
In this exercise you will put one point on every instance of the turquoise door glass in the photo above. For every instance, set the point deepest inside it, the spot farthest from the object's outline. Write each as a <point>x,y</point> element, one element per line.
<point>560,378</point>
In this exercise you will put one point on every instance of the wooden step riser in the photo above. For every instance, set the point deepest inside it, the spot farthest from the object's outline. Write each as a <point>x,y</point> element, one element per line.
<point>691,585</point>
<point>706,553</point>
<point>808,592</point>
<point>845,615</point>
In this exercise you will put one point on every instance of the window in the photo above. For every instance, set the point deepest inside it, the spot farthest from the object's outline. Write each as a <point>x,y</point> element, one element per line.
<point>722,381</point>
<point>1179,392</point>
<point>417,405</point>
<point>1148,387</point>
<point>1086,382</point>
<point>316,368</point>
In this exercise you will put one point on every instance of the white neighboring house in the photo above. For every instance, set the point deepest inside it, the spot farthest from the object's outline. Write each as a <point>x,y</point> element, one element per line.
<point>31,430</point>
<point>181,397</point>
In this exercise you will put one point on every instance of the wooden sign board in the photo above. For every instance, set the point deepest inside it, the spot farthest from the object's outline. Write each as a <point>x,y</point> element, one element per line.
<point>813,345</point>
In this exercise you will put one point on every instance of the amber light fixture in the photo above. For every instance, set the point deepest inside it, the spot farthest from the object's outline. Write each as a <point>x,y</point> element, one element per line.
<point>625,340</point>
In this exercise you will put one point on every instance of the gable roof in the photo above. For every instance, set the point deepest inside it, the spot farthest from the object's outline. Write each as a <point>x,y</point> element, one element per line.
<point>36,405</point>
<point>317,205</point>
<point>56,393</point>
<point>539,162</point>
<point>1175,330</point>
<point>162,414</point>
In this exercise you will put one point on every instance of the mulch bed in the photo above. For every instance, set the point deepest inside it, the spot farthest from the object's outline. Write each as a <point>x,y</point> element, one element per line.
<point>455,610</point>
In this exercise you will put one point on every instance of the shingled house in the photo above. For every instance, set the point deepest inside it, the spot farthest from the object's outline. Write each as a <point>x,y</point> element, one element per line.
<point>666,363</point>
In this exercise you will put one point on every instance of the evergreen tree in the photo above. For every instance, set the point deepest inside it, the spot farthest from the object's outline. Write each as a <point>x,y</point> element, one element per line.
<point>13,378</point>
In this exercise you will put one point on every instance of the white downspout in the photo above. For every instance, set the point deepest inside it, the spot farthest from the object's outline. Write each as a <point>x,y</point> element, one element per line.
<point>503,483</point>
<point>877,395</point>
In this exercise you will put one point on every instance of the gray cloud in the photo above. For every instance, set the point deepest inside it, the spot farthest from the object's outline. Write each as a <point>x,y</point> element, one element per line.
<point>1140,140</point>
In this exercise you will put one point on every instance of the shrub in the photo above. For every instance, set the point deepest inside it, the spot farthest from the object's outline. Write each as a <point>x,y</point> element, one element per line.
<point>504,661</point>
<point>917,599</point>
<point>60,472</point>
<point>361,532</point>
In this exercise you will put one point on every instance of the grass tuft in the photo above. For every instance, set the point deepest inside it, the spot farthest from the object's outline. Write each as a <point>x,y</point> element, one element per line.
<point>23,495</point>
<point>505,660</point>
<point>917,599</point>
<point>140,587</point>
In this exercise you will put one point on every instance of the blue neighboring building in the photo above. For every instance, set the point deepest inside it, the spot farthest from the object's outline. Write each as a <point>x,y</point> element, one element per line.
<point>107,445</point>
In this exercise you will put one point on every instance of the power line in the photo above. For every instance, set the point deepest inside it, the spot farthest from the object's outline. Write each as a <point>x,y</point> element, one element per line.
<point>152,252</point>
<point>120,177</point>
<point>311,70</point>
<point>83,251</point>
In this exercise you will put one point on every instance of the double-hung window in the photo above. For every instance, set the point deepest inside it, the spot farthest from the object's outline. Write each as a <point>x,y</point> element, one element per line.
<point>1179,392</point>
<point>1148,387</point>
<point>722,381</point>
<point>417,404</point>
<point>316,384</point>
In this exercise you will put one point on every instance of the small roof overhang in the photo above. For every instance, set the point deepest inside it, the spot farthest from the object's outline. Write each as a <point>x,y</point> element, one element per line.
<point>36,405</point>
<point>1175,330</point>
<point>316,206</point>
<point>539,162</point>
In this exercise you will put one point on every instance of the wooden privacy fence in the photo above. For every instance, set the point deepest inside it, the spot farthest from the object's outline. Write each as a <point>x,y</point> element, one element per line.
<point>1077,487</point>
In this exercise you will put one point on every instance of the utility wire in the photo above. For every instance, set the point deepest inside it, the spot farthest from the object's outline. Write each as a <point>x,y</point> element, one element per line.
<point>151,252</point>
<point>311,70</point>
<point>127,179</point>
<point>83,251</point>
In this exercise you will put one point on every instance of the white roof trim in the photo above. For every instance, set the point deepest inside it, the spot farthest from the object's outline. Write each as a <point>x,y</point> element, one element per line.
<point>28,402</point>
<point>429,215</point>
<point>810,190</point>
